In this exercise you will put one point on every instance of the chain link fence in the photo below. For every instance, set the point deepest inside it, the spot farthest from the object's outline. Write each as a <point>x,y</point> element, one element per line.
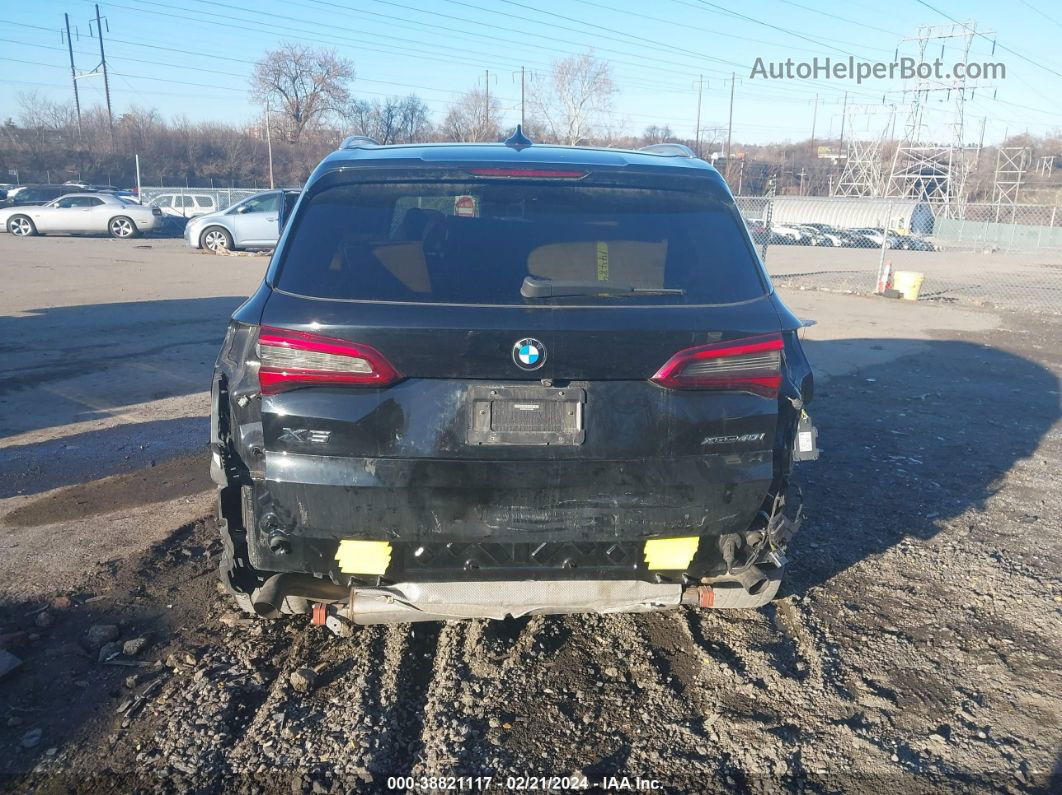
<point>189,202</point>
<point>989,254</point>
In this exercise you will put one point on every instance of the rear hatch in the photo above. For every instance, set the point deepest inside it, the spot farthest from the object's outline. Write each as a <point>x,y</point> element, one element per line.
<point>498,365</point>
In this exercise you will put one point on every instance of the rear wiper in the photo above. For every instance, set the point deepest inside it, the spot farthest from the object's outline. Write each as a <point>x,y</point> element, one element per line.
<point>539,287</point>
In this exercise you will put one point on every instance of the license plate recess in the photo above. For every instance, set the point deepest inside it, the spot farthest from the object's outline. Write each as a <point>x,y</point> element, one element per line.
<point>526,415</point>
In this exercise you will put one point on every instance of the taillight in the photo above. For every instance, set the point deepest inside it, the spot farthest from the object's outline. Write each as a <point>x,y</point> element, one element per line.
<point>290,359</point>
<point>751,364</point>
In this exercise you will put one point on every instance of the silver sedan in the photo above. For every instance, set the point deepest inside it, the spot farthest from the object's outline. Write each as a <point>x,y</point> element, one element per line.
<point>83,213</point>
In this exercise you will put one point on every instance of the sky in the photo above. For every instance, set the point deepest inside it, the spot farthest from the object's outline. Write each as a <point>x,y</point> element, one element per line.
<point>193,59</point>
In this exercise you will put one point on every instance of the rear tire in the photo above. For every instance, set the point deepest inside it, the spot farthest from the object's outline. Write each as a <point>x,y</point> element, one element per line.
<point>216,240</point>
<point>122,227</point>
<point>21,226</point>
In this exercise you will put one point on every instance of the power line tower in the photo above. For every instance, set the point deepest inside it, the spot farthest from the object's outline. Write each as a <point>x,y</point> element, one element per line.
<point>936,171</point>
<point>1011,164</point>
<point>102,68</point>
<point>868,127</point>
<point>73,73</point>
<point>1046,165</point>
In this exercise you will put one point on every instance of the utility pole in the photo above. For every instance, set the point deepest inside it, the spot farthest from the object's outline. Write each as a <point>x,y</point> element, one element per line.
<point>700,94</point>
<point>486,101</point>
<point>73,74</point>
<point>981,144</point>
<point>814,118</point>
<point>522,121</point>
<point>844,115</point>
<point>730,124</point>
<point>103,65</point>
<point>269,146</point>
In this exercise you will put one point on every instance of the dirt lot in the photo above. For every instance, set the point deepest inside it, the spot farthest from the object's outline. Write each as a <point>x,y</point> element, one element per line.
<point>1016,281</point>
<point>916,647</point>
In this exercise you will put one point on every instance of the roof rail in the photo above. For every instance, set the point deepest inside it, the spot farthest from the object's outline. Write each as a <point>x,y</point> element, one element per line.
<point>669,150</point>
<point>357,142</point>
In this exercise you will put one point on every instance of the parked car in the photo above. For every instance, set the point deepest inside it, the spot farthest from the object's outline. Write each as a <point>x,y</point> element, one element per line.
<point>875,236</point>
<point>912,243</point>
<point>757,230</point>
<point>125,195</point>
<point>812,236</point>
<point>185,205</point>
<point>483,380</point>
<point>29,195</point>
<point>251,223</point>
<point>789,233</point>
<point>826,235</point>
<point>83,213</point>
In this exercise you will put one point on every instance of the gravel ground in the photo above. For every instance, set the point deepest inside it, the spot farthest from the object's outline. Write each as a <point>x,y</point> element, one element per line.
<point>1021,281</point>
<point>915,648</point>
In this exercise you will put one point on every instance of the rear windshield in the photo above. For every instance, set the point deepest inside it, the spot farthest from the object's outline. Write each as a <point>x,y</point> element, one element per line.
<point>477,243</point>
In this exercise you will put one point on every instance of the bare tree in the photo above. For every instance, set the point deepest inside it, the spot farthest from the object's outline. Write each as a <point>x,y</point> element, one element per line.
<point>390,121</point>
<point>575,102</point>
<point>473,117</point>
<point>138,126</point>
<point>413,120</point>
<point>36,111</point>
<point>305,84</point>
<point>658,134</point>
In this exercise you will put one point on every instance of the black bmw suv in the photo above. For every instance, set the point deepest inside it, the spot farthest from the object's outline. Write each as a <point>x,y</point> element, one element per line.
<point>490,380</point>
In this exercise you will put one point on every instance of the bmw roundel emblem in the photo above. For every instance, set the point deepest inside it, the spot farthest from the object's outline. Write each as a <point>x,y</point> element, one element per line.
<point>529,353</point>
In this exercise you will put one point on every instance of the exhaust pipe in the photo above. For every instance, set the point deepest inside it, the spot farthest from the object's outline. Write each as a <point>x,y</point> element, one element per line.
<point>268,600</point>
<point>708,596</point>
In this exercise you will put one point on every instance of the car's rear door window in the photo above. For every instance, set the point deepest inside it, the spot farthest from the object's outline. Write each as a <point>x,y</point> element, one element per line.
<point>262,204</point>
<point>476,243</point>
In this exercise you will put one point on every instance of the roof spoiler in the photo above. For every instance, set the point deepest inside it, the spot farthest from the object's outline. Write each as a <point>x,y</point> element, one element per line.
<point>358,142</point>
<point>668,150</point>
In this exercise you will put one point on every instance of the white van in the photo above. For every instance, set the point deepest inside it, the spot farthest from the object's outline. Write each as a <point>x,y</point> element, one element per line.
<point>185,205</point>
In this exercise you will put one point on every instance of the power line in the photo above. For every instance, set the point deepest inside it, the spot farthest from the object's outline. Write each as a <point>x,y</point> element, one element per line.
<point>417,53</point>
<point>995,43</point>
<point>315,37</point>
<point>839,17</point>
<point>437,27</point>
<point>1041,13</point>
<point>787,31</point>
<point>510,100</point>
<point>686,26</point>
<point>434,27</point>
<point>594,26</point>
<point>184,67</point>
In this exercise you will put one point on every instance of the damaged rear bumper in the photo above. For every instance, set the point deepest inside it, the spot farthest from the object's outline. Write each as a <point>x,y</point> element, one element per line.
<point>500,520</point>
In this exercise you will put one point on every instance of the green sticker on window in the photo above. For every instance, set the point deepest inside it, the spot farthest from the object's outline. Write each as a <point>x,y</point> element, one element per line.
<point>602,261</point>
